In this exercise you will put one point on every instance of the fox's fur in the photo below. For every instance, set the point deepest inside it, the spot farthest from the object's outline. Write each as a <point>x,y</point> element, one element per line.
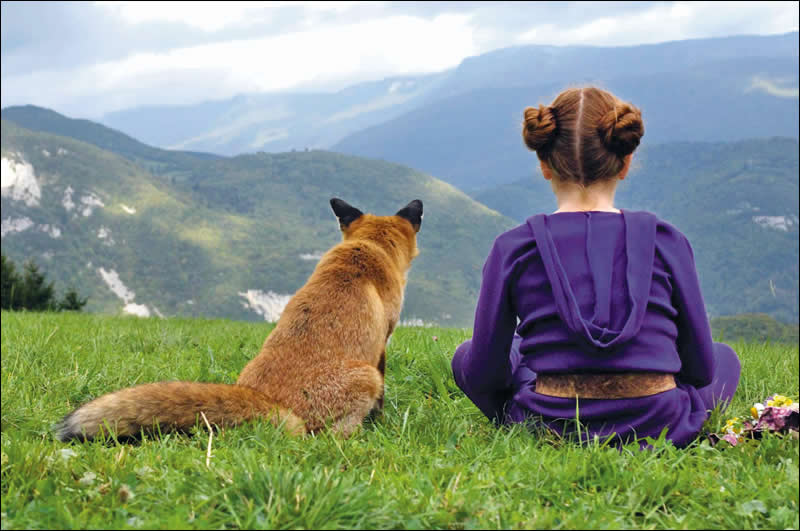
<point>321,366</point>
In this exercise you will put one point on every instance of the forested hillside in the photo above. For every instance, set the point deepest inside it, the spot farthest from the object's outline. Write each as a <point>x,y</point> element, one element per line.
<point>228,237</point>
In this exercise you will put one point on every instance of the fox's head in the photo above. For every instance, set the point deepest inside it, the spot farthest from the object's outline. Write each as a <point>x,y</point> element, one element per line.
<point>392,232</point>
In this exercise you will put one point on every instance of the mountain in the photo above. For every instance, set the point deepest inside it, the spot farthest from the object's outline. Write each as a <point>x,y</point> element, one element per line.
<point>473,140</point>
<point>233,237</point>
<point>219,234</point>
<point>521,66</point>
<point>738,203</point>
<point>158,161</point>
<point>277,122</point>
<point>273,122</point>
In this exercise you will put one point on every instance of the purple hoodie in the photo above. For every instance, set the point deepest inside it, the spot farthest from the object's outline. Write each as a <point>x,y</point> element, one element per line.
<point>590,292</point>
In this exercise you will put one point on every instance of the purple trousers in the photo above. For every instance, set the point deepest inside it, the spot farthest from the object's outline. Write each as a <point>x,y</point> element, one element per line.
<point>683,409</point>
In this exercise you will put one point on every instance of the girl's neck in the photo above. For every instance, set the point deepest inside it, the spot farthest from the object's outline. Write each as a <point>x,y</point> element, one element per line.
<point>572,197</point>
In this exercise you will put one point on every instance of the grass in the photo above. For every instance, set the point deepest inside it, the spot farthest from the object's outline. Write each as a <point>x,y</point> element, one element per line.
<point>431,461</point>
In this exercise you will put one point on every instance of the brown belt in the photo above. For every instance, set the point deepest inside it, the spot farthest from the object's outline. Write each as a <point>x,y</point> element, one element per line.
<point>607,385</point>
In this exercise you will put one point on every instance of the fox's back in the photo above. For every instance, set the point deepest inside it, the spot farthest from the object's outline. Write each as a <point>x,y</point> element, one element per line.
<point>345,312</point>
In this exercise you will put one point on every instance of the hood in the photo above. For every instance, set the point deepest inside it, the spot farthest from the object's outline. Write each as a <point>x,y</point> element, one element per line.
<point>640,232</point>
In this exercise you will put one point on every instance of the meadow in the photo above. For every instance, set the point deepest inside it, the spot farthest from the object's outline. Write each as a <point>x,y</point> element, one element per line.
<point>432,460</point>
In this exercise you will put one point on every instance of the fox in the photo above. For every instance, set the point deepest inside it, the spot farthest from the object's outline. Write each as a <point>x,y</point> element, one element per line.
<point>321,367</point>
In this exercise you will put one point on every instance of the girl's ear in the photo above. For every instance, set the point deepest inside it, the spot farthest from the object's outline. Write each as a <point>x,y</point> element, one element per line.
<point>413,213</point>
<point>546,171</point>
<point>627,166</point>
<point>345,213</point>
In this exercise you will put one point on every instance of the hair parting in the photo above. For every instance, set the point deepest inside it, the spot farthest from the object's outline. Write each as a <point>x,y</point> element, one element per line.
<point>578,154</point>
<point>584,135</point>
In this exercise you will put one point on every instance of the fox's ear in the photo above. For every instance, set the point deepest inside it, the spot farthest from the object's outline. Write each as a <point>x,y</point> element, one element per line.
<point>413,213</point>
<point>344,212</point>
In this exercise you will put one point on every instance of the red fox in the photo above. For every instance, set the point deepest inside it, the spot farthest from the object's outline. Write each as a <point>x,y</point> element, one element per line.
<point>322,365</point>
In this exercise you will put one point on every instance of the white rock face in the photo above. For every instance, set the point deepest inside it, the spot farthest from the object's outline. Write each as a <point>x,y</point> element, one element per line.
<point>9,225</point>
<point>111,278</point>
<point>783,223</point>
<point>67,201</point>
<point>136,309</point>
<point>269,304</point>
<point>129,210</point>
<point>312,256</point>
<point>744,206</point>
<point>52,230</point>
<point>774,87</point>
<point>90,201</point>
<point>414,321</point>
<point>105,234</point>
<point>18,182</point>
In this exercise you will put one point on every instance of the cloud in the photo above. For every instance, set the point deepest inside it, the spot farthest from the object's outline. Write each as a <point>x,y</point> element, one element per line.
<point>215,16</point>
<point>206,16</point>
<point>328,56</point>
<point>63,35</point>
<point>670,21</point>
<point>69,34</point>
<point>105,56</point>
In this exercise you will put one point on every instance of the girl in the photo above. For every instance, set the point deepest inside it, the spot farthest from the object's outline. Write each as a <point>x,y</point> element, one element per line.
<point>606,303</point>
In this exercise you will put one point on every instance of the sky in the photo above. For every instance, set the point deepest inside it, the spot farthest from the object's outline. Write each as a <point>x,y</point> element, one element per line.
<point>85,59</point>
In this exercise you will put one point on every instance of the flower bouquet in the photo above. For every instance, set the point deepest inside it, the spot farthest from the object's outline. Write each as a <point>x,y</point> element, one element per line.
<point>777,414</point>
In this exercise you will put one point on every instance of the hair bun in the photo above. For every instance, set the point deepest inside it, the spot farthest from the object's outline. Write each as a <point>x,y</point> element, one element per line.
<point>621,129</point>
<point>539,129</point>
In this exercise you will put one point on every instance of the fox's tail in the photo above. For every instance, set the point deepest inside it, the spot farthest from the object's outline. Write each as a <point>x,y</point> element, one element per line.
<point>172,406</point>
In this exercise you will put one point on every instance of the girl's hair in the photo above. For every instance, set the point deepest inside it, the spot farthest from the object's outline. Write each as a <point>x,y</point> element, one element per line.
<point>584,135</point>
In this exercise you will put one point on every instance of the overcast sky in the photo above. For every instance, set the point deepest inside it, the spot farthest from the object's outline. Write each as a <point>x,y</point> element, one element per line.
<point>88,58</point>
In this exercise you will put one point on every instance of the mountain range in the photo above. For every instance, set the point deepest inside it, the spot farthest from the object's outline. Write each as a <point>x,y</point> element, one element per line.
<point>230,220</point>
<point>166,232</point>
<point>232,237</point>
<point>473,140</point>
<point>462,125</point>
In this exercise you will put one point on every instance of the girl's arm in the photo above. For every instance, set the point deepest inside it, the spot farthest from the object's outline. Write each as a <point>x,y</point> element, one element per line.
<point>695,345</point>
<point>483,370</point>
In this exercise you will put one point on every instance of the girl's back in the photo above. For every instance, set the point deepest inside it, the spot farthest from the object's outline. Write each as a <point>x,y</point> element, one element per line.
<point>605,303</point>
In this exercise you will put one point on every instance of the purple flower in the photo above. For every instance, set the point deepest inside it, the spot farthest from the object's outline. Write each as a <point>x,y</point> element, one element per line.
<point>731,438</point>
<point>778,419</point>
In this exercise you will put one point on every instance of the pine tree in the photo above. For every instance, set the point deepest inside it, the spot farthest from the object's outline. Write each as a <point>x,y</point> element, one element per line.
<point>35,293</point>
<point>72,301</point>
<point>30,290</point>
<point>9,283</point>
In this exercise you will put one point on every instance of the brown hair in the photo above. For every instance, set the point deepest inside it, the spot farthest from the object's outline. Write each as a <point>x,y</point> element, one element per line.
<point>584,135</point>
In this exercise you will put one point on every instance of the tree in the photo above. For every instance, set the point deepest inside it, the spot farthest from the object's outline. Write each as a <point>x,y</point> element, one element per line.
<point>9,281</point>
<point>72,301</point>
<point>31,291</point>
<point>35,292</point>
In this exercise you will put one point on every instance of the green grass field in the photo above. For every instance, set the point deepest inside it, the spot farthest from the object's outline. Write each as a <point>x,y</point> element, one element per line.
<point>431,461</point>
